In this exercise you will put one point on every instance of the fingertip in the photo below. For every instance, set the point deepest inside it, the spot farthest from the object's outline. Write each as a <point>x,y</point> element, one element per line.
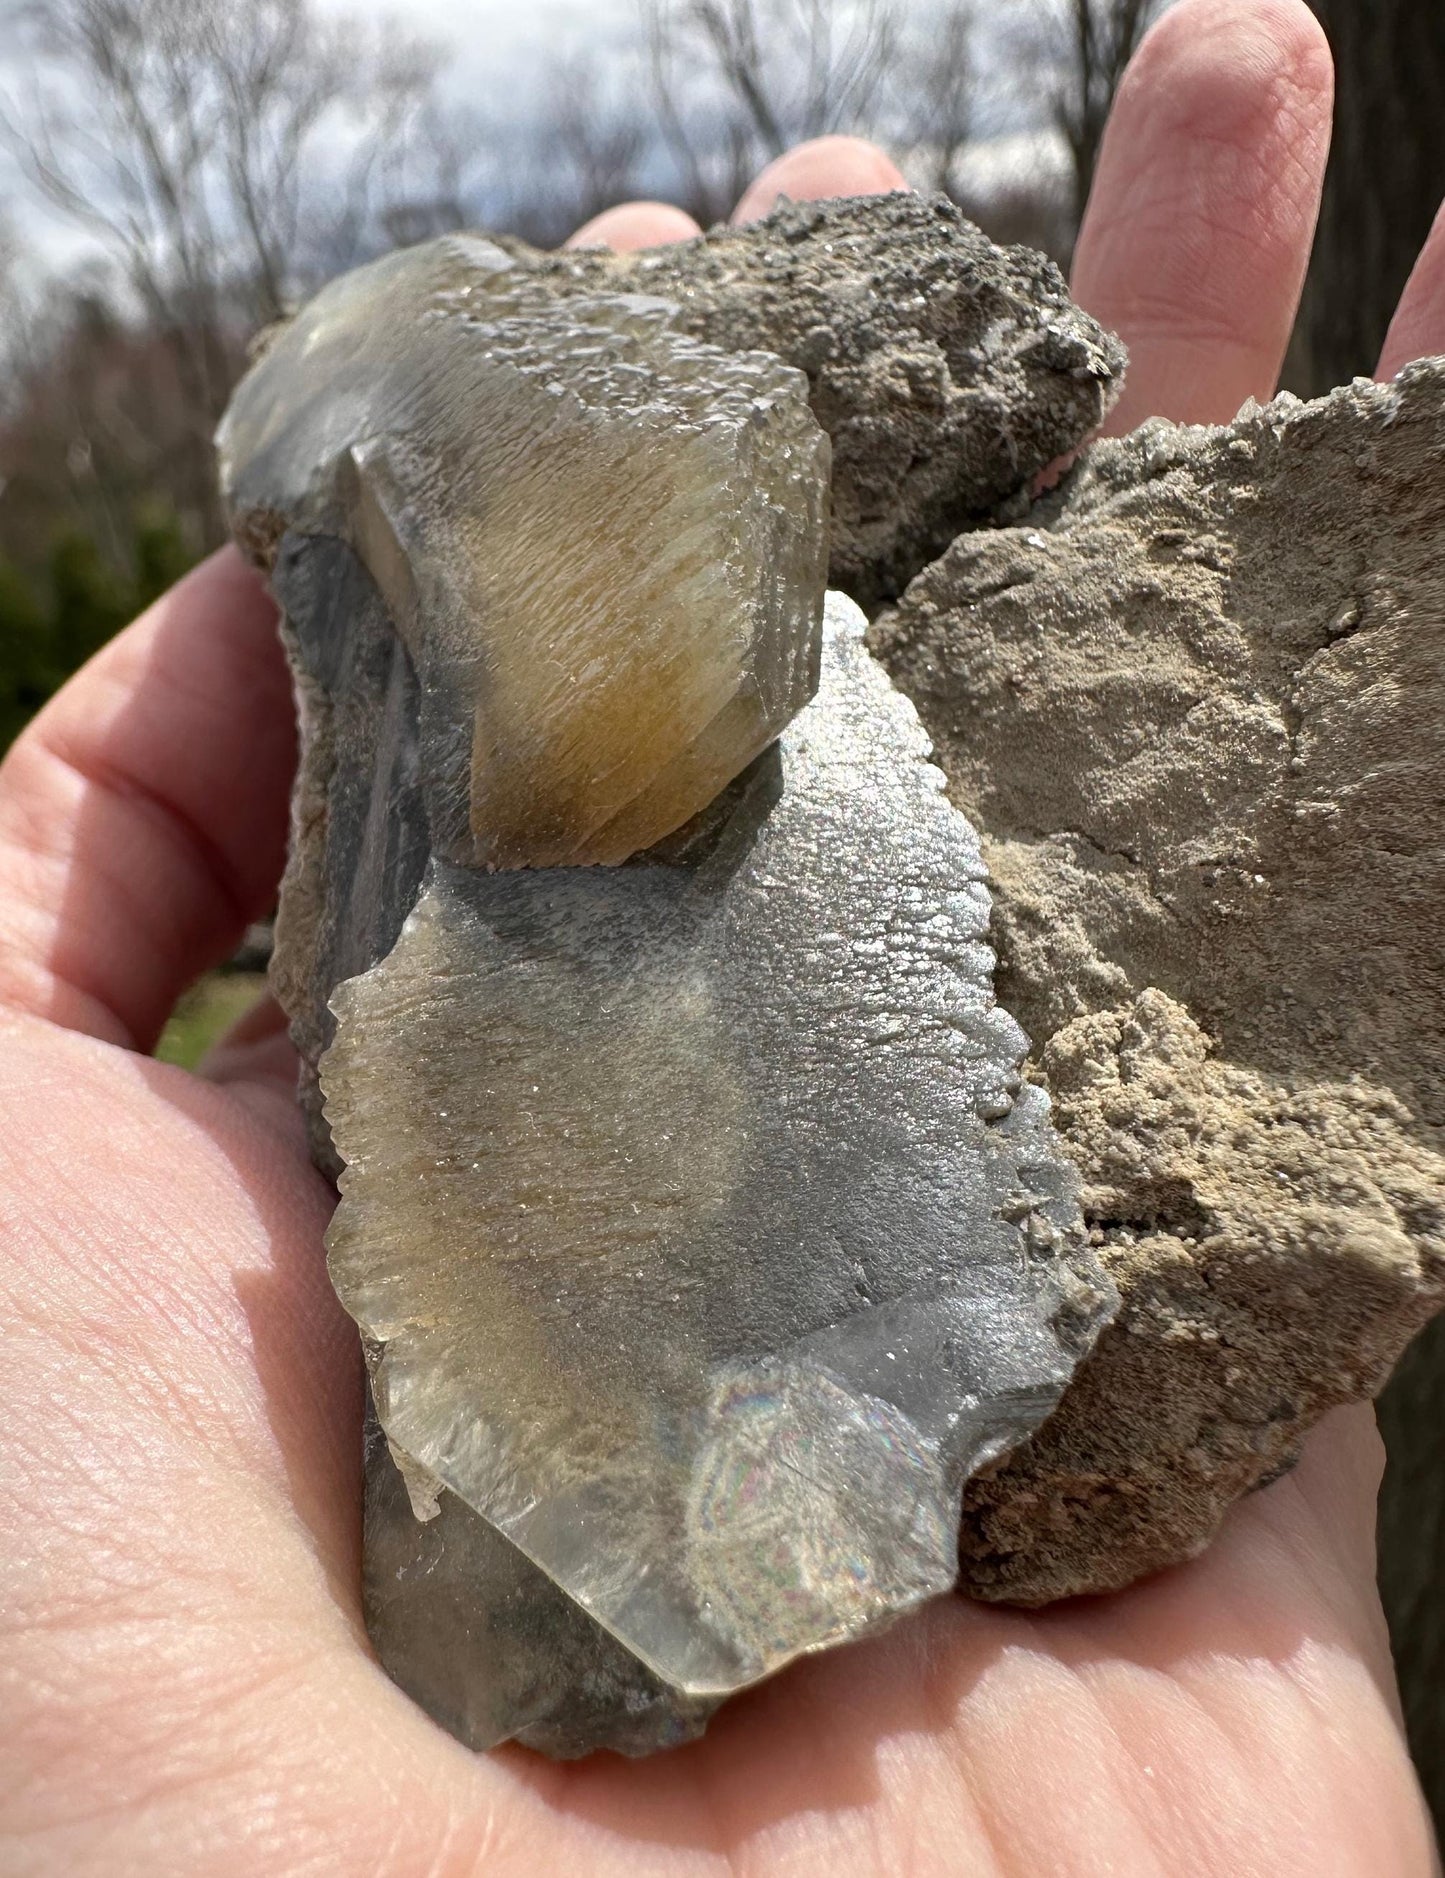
<point>1246,89</point>
<point>1199,226</point>
<point>228,571</point>
<point>224,585</point>
<point>827,166</point>
<point>1418,329</point>
<point>633,225</point>
<point>1215,43</point>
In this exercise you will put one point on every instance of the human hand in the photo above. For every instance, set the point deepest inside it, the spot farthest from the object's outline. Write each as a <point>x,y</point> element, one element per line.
<point>188,1688</point>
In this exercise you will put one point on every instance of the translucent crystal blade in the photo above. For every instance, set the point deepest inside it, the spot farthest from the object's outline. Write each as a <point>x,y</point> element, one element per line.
<point>703,1232</point>
<point>603,544</point>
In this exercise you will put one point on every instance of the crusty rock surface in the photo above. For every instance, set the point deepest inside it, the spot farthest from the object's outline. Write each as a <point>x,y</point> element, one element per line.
<point>947,371</point>
<point>1197,703</point>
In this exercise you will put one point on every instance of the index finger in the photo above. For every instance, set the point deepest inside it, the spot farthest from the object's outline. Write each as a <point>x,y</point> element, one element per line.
<point>1418,328</point>
<point>1198,230</point>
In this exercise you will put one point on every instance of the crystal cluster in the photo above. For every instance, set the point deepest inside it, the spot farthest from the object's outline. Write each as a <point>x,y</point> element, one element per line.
<point>703,1236</point>
<point>600,543</point>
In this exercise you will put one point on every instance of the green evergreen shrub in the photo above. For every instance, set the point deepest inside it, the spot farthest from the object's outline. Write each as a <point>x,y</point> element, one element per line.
<point>48,630</point>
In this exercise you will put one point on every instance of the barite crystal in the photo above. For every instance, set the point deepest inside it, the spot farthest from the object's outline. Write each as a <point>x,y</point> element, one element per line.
<point>702,1232</point>
<point>602,543</point>
<point>947,370</point>
<point>703,1238</point>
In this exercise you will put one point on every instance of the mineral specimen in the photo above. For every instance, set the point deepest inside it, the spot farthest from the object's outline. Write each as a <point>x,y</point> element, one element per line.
<point>703,1240</point>
<point>1197,704</point>
<point>947,371</point>
<point>707,1244</point>
<point>599,542</point>
<point>702,1234</point>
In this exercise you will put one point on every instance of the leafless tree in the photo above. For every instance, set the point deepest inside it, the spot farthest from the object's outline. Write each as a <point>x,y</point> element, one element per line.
<point>597,136</point>
<point>1089,43</point>
<point>422,177</point>
<point>796,68</point>
<point>12,307</point>
<point>738,81</point>
<point>934,95</point>
<point>182,134</point>
<point>708,136</point>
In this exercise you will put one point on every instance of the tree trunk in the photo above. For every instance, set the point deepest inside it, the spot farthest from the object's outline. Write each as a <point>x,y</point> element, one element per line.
<point>1386,180</point>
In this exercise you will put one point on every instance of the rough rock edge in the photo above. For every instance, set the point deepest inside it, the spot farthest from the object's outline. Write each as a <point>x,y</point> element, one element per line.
<point>1270,1198</point>
<point>948,371</point>
<point>299,900</point>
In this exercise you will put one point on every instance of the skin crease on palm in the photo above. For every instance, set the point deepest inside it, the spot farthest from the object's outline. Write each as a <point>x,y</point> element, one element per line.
<point>184,1680</point>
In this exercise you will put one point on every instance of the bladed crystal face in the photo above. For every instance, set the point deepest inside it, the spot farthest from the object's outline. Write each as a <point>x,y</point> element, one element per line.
<point>603,544</point>
<point>701,1229</point>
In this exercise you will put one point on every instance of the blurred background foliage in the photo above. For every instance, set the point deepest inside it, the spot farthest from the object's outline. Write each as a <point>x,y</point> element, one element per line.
<point>55,615</point>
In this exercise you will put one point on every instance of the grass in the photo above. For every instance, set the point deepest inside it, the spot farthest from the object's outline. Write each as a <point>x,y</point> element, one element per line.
<point>206,1011</point>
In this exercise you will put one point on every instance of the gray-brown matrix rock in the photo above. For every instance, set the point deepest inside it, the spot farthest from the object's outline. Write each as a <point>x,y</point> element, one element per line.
<point>1197,704</point>
<point>947,371</point>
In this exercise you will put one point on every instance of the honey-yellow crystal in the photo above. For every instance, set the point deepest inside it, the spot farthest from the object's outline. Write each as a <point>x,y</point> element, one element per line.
<point>603,544</point>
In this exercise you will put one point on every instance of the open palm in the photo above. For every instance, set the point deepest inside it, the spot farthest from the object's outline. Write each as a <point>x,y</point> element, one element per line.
<point>186,1684</point>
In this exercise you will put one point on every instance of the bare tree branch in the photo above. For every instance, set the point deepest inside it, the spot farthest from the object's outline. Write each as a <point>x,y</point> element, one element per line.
<point>1093,42</point>
<point>190,136</point>
<point>739,81</point>
<point>600,139</point>
<point>935,99</point>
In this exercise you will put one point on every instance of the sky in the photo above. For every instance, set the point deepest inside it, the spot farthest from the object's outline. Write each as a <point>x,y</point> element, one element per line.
<point>497,51</point>
<point>500,32</point>
<point>498,55</point>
